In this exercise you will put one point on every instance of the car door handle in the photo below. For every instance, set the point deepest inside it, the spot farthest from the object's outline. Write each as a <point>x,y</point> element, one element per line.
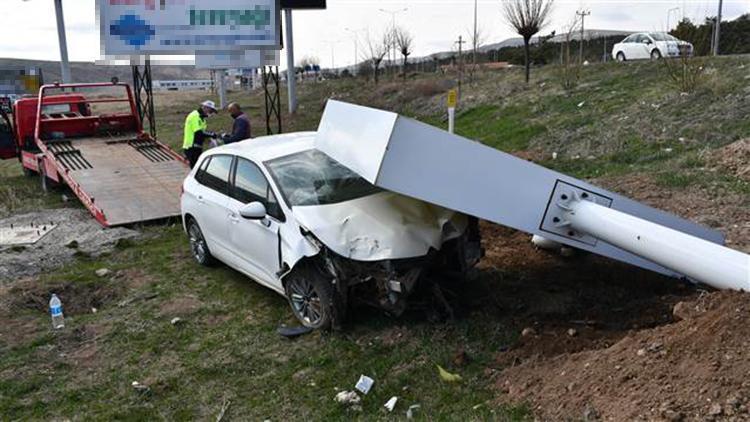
<point>234,218</point>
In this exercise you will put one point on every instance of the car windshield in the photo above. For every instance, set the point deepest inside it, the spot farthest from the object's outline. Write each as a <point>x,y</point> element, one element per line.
<point>313,178</point>
<point>658,36</point>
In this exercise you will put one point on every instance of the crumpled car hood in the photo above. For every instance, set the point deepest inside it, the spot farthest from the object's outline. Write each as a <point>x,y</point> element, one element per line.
<point>382,226</point>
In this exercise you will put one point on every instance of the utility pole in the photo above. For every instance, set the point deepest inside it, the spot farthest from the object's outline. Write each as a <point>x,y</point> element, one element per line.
<point>582,14</point>
<point>291,73</point>
<point>64,63</point>
<point>717,29</point>
<point>460,43</point>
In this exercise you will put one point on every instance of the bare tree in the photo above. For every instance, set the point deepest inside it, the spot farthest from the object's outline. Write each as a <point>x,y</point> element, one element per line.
<point>527,17</point>
<point>376,51</point>
<point>404,41</point>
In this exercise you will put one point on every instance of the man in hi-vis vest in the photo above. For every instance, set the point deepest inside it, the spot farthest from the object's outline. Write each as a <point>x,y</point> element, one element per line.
<point>196,133</point>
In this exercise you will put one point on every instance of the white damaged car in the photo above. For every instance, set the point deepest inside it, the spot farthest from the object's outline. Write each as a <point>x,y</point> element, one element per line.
<point>296,221</point>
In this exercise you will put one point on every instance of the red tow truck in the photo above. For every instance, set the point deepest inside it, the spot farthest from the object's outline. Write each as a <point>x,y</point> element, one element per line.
<point>90,138</point>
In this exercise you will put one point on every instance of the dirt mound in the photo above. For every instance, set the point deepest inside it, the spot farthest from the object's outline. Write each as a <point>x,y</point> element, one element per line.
<point>76,233</point>
<point>694,369</point>
<point>735,157</point>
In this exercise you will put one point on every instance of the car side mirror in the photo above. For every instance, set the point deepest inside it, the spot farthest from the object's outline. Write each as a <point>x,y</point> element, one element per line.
<point>253,211</point>
<point>647,41</point>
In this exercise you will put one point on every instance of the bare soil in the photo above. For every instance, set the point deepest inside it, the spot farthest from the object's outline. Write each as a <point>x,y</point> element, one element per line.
<point>599,340</point>
<point>735,157</point>
<point>77,233</point>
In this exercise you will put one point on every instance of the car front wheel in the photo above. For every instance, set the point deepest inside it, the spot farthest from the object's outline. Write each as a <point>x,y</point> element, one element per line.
<point>311,297</point>
<point>621,57</point>
<point>656,54</point>
<point>198,245</point>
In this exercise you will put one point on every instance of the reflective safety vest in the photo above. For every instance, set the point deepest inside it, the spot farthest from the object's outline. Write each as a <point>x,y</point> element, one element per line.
<point>193,123</point>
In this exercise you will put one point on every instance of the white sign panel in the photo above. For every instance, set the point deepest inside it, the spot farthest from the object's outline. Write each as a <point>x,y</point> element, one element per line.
<point>140,27</point>
<point>237,59</point>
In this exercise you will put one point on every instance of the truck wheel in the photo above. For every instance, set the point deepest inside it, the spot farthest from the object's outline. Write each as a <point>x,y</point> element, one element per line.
<point>311,297</point>
<point>27,172</point>
<point>198,245</point>
<point>48,185</point>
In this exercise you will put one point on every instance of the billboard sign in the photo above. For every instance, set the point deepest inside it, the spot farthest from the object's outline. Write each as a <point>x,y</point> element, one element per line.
<point>165,27</point>
<point>303,4</point>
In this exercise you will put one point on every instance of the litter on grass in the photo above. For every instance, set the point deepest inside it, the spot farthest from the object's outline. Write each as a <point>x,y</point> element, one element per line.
<point>364,384</point>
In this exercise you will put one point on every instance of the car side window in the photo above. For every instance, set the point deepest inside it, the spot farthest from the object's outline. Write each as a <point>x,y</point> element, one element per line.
<point>629,39</point>
<point>251,185</point>
<point>214,173</point>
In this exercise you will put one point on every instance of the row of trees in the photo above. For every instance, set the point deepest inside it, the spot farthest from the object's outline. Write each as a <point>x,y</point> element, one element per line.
<point>396,39</point>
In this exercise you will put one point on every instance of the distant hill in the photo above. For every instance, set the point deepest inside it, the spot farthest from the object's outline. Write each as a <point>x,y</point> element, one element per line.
<point>91,72</point>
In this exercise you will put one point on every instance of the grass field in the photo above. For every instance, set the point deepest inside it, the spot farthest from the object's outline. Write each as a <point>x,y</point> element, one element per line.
<point>620,120</point>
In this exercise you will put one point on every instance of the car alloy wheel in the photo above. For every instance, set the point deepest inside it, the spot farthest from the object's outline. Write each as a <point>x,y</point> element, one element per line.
<point>198,245</point>
<point>620,57</point>
<point>656,54</point>
<point>306,302</point>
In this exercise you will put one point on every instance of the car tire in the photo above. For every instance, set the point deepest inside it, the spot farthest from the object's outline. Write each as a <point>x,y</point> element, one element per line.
<point>621,57</point>
<point>198,244</point>
<point>27,172</point>
<point>655,54</point>
<point>312,298</point>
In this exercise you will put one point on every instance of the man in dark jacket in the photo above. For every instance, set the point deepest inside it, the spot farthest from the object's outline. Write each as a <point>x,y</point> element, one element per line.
<point>241,126</point>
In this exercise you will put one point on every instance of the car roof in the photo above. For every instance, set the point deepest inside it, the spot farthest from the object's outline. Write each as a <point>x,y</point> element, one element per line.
<point>266,148</point>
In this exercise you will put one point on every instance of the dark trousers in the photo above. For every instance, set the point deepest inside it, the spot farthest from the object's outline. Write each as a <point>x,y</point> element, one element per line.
<point>192,155</point>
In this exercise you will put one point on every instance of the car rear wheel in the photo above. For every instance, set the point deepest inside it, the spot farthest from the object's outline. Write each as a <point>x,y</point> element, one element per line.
<point>311,297</point>
<point>198,245</point>
<point>621,57</point>
<point>656,54</point>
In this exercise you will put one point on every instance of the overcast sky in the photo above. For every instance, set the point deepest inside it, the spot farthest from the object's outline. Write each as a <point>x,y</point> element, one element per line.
<point>28,29</point>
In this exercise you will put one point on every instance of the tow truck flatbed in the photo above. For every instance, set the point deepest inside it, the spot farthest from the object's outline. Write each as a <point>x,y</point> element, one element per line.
<point>119,172</point>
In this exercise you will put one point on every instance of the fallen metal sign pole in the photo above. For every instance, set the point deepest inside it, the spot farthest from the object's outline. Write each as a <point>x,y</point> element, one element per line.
<point>417,160</point>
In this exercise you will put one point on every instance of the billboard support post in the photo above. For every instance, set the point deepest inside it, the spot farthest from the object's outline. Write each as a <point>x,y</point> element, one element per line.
<point>272,99</point>
<point>291,74</point>
<point>144,96</point>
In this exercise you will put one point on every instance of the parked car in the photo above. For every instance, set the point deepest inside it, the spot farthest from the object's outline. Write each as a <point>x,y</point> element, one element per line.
<point>650,45</point>
<point>298,222</point>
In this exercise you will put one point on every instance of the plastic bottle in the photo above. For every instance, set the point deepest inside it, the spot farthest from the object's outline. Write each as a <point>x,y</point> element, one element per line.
<point>55,309</point>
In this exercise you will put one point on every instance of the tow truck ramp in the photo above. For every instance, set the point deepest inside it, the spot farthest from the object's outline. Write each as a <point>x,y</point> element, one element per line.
<point>121,180</point>
<point>417,160</point>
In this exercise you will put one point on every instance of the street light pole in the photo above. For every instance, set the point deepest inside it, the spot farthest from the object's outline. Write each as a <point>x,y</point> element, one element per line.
<point>717,29</point>
<point>291,73</point>
<point>355,32</point>
<point>474,40</point>
<point>64,64</point>
<point>669,14</point>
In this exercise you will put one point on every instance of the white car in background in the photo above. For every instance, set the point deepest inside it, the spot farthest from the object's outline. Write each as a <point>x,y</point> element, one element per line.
<point>298,222</point>
<point>650,45</point>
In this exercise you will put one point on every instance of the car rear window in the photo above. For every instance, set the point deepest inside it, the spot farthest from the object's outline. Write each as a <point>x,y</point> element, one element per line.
<point>313,178</point>
<point>215,174</point>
